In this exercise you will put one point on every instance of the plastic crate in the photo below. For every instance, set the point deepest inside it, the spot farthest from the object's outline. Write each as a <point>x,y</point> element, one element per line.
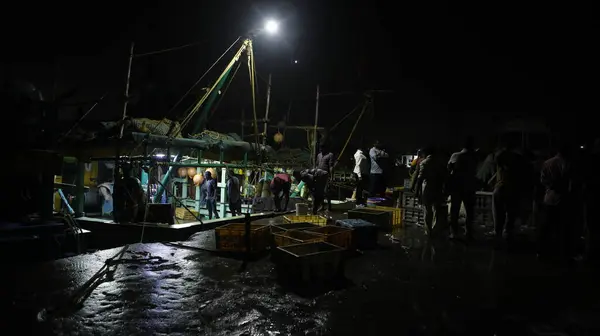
<point>275,228</point>
<point>232,237</point>
<point>184,214</point>
<point>396,213</point>
<point>313,219</point>
<point>409,200</point>
<point>293,237</point>
<point>335,235</point>
<point>310,262</point>
<point>413,215</point>
<point>364,234</point>
<point>383,219</point>
<point>483,201</point>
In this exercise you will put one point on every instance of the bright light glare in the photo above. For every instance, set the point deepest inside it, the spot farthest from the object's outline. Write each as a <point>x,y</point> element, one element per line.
<point>271,26</point>
<point>296,61</point>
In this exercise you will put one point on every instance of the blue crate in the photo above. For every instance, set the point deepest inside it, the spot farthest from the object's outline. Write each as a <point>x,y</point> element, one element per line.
<point>364,235</point>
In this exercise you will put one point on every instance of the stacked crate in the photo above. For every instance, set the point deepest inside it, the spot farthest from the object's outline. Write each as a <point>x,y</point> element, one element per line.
<point>412,212</point>
<point>483,208</point>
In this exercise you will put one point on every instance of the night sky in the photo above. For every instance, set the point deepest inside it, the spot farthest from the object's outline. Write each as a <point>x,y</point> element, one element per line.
<point>454,69</point>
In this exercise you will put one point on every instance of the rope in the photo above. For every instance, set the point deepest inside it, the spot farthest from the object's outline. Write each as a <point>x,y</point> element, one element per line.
<point>352,132</point>
<point>210,134</point>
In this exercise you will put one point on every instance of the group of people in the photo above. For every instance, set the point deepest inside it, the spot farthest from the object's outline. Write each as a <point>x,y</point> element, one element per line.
<point>566,184</point>
<point>369,173</point>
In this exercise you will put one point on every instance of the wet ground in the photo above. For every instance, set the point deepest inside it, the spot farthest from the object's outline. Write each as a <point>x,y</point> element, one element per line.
<point>409,286</point>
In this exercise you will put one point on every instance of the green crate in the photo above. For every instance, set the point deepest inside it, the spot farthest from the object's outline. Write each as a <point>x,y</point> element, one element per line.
<point>383,219</point>
<point>310,263</point>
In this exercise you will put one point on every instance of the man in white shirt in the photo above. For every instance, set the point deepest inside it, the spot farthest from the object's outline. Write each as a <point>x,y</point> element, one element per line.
<point>361,173</point>
<point>378,155</point>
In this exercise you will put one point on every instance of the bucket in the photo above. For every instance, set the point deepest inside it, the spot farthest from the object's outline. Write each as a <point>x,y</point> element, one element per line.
<point>301,209</point>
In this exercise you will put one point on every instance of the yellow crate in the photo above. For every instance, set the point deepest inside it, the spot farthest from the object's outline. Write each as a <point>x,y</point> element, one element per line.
<point>313,219</point>
<point>232,237</point>
<point>396,214</point>
<point>293,237</point>
<point>183,213</point>
<point>335,235</point>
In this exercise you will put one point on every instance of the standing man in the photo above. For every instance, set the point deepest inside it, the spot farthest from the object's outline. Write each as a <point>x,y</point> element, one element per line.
<point>361,172</point>
<point>233,194</point>
<point>377,155</point>
<point>509,171</point>
<point>326,162</point>
<point>315,180</point>
<point>280,187</point>
<point>430,186</point>
<point>462,186</point>
<point>210,190</point>
<point>557,178</point>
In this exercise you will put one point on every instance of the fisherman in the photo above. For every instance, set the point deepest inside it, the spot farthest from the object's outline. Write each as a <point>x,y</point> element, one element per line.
<point>462,186</point>
<point>326,163</point>
<point>430,188</point>
<point>377,155</point>
<point>209,187</point>
<point>233,194</point>
<point>592,205</point>
<point>557,178</point>
<point>106,191</point>
<point>361,174</point>
<point>506,198</point>
<point>281,184</point>
<point>315,180</point>
<point>414,164</point>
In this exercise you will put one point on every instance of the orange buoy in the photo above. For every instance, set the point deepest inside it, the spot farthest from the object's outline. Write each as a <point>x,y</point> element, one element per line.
<point>198,179</point>
<point>191,171</point>
<point>213,173</point>
<point>182,172</point>
<point>278,137</point>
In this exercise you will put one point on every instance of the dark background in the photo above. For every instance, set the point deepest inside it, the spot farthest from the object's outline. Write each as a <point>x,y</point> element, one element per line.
<point>455,68</point>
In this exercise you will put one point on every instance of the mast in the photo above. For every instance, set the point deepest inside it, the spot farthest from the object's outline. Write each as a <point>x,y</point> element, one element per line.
<point>117,177</point>
<point>314,154</point>
<point>266,121</point>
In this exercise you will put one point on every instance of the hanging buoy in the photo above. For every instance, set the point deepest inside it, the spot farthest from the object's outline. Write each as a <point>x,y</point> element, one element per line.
<point>278,137</point>
<point>213,173</point>
<point>198,179</point>
<point>191,172</point>
<point>182,172</point>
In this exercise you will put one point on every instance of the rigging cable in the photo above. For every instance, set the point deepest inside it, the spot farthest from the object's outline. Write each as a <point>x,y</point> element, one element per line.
<point>344,118</point>
<point>169,49</point>
<point>367,104</point>
<point>188,91</point>
<point>229,66</point>
<point>224,91</point>
<point>252,69</point>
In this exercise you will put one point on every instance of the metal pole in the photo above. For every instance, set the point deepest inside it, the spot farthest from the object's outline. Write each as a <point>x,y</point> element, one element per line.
<point>127,91</point>
<point>248,235</point>
<point>116,189</point>
<point>265,123</point>
<point>314,154</point>
<point>243,123</point>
